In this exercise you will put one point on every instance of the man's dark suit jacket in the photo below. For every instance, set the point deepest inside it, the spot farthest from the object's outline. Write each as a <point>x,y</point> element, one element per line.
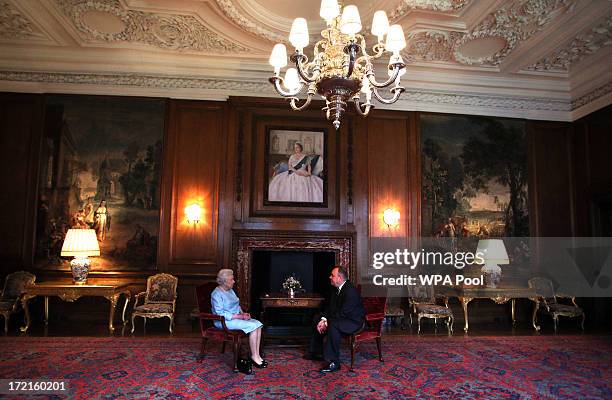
<point>345,306</point>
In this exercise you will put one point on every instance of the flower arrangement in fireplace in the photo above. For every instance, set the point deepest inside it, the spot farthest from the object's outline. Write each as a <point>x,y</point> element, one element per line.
<point>292,285</point>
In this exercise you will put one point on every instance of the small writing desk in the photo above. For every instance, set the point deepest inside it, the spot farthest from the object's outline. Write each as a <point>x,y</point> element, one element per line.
<point>71,292</point>
<point>499,295</point>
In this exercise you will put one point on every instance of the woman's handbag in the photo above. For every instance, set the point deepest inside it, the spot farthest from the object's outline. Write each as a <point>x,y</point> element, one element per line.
<point>245,366</point>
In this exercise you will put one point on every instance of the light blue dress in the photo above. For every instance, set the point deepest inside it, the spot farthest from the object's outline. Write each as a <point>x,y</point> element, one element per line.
<point>226,303</point>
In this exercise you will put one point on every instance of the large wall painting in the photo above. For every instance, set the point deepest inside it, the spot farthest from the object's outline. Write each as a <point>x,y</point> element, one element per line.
<point>474,173</point>
<point>101,169</point>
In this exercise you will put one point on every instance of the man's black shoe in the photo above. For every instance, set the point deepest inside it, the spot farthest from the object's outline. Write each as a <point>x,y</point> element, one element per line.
<point>313,357</point>
<point>331,367</point>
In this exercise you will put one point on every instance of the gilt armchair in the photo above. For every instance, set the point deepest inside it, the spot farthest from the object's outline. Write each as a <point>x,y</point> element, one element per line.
<point>422,302</point>
<point>159,299</point>
<point>208,328</point>
<point>546,292</point>
<point>10,298</point>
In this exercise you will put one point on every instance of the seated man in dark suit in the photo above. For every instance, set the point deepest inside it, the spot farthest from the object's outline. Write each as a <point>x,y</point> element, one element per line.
<point>344,315</point>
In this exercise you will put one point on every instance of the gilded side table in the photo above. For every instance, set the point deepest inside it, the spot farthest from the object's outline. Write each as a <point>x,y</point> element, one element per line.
<point>498,295</point>
<point>71,292</point>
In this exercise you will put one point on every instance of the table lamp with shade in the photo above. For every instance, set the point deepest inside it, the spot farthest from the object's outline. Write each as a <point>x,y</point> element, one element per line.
<point>80,244</point>
<point>493,253</point>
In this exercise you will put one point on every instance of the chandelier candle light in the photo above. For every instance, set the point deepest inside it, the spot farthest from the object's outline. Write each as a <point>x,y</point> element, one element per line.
<point>341,70</point>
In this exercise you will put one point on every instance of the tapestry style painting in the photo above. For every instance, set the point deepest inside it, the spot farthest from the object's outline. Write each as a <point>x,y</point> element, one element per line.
<point>474,172</point>
<point>101,169</point>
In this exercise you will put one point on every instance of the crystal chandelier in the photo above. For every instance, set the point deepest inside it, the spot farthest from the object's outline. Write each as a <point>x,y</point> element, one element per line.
<point>341,69</point>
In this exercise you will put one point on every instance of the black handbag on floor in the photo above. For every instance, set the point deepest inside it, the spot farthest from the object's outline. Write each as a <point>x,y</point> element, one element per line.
<point>245,366</point>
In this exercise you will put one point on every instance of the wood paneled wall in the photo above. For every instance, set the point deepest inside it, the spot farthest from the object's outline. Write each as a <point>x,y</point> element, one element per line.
<point>21,121</point>
<point>551,181</point>
<point>213,156</point>
<point>194,165</point>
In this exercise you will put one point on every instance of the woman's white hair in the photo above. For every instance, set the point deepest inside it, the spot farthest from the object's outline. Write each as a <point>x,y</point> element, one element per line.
<point>223,275</point>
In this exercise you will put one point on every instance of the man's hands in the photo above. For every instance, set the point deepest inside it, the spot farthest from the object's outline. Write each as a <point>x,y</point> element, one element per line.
<point>322,326</point>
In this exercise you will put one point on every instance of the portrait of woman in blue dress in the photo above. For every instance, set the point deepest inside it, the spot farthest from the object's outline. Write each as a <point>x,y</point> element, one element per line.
<point>226,303</point>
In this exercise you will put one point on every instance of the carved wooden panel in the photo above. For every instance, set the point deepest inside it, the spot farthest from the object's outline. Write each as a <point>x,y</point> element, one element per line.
<point>393,173</point>
<point>20,137</point>
<point>193,175</point>
<point>551,182</point>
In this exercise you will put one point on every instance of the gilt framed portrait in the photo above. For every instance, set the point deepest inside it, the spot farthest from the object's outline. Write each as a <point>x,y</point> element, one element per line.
<point>295,167</point>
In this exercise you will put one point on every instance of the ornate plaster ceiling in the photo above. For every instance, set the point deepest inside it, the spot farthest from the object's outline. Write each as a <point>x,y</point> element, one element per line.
<point>539,59</point>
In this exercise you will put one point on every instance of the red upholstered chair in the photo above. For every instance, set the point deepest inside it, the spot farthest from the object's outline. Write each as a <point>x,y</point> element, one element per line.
<point>209,330</point>
<point>375,316</point>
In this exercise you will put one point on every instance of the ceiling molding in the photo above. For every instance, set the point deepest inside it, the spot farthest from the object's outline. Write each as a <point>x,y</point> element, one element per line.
<point>586,43</point>
<point>174,32</point>
<point>220,89</point>
<point>14,25</point>
<point>230,11</point>
<point>514,22</point>
<point>463,56</point>
<point>406,6</point>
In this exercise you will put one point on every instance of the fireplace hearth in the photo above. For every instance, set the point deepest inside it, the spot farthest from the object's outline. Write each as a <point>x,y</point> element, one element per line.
<point>249,245</point>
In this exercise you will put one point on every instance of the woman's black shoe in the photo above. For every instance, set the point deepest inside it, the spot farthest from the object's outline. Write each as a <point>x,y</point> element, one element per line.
<point>264,364</point>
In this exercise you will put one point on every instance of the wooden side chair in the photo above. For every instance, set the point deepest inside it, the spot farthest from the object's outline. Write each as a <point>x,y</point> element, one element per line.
<point>545,290</point>
<point>159,299</point>
<point>10,297</point>
<point>374,320</point>
<point>208,328</point>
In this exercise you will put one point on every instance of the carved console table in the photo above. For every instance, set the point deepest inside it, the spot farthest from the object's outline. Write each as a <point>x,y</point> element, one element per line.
<point>280,300</point>
<point>498,295</point>
<point>71,292</point>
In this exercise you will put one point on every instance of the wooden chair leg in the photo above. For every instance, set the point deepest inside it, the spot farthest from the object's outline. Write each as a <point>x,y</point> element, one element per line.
<point>171,322</point>
<point>582,323</point>
<point>236,345</point>
<point>6,323</point>
<point>379,346</point>
<point>352,353</point>
<point>203,348</point>
<point>133,326</point>
<point>555,320</point>
<point>223,346</point>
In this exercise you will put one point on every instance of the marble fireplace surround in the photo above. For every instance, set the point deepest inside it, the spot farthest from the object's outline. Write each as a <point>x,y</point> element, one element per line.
<point>244,242</point>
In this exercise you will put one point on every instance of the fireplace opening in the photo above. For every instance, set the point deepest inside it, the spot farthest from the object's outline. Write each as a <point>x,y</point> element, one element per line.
<point>271,268</point>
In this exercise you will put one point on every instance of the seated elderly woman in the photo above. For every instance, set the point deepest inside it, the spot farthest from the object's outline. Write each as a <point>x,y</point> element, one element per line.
<point>226,303</point>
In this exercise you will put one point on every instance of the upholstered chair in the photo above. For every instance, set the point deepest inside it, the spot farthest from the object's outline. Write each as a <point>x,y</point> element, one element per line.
<point>373,328</point>
<point>159,299</point>
<point>10,299</point>
<point>209,330</point>
<point>546,292</point>
<point>422,300</point>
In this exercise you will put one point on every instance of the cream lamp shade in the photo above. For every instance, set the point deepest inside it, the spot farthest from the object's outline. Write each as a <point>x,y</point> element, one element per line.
<point>493,251</point>
<point>80,243</point>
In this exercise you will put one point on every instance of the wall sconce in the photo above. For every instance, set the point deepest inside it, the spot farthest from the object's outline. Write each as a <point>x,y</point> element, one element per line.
<point>391,217</point>
<point>194,213</point>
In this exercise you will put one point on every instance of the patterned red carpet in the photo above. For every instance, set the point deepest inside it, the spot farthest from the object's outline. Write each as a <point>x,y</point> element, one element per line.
<point>528,367</point>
